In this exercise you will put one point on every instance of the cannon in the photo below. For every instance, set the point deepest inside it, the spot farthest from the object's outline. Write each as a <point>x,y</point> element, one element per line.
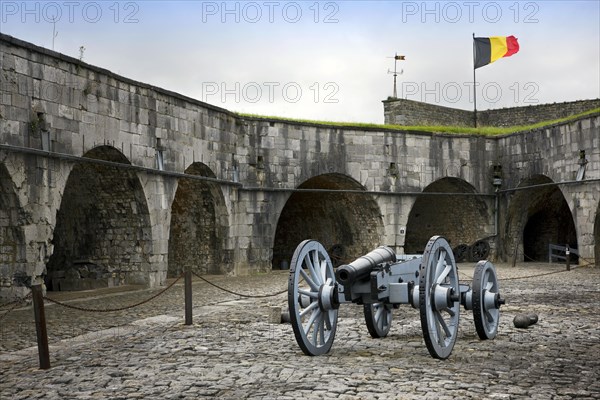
<point>380,283</point>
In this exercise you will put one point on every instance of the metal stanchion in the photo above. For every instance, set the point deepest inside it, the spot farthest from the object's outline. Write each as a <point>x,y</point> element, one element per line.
<point>188,296</point>
<point>40,326</point>
<point>568,257</point>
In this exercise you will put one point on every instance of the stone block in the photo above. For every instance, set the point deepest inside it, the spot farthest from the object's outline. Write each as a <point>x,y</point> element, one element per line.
<point>22,66</point>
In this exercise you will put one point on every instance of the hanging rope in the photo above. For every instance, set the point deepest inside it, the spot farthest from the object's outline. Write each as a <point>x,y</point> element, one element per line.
<point>85,309</point>
<point>251,296</point>
<point>13,305</point>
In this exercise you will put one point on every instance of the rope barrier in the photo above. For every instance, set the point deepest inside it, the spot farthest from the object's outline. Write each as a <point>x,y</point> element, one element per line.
<point>113,309</point>
<point>251,296</point>
<point>466,277</point>
<point>542,274</point>
<point>14,304</point>
<point>19,301</point>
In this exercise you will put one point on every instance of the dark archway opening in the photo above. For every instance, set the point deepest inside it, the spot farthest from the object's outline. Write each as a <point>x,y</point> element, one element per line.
<point>538,217</point>
<point>461,219</point>
<point>597,237</point>
<point>12,240</point>
<point>545,227</point>
<point>198,225</point>
<point>102,236</point>
<point>348,225</point>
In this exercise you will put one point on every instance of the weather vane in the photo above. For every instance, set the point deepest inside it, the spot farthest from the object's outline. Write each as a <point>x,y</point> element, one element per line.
<point>54,33</point>
<point>396,58</point>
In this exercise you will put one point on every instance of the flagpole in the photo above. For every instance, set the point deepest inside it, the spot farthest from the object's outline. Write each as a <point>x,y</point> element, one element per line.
<point>474,86</point>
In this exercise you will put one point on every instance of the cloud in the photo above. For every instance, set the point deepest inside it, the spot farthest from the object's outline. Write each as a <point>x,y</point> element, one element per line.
<point>331,60</point>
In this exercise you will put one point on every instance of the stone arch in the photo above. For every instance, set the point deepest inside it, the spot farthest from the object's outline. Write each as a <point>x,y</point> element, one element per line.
<point>460,219</point>
<point>597,236</point>
<point>103,232</point>
<point>13,262</point>
<point>537,217</point>
<point>199,226</point>
<point>347,224</point>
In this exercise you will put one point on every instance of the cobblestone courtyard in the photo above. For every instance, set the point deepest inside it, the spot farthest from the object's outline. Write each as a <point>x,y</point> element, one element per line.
<point>233,351</point>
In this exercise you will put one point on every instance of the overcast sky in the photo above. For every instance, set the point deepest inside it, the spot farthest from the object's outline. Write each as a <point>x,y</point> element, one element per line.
<point>327,60</point>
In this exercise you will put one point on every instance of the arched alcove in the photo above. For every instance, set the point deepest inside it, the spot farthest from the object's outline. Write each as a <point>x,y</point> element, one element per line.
<point>12,240</point>
<point>198,225</point>
<point>347,224</point>
<point>103,235</point>
<point>460,218</point>
<point>538,215</point>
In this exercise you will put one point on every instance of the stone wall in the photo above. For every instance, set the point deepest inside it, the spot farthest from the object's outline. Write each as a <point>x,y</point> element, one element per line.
<point>546,156</point>
<point>252,205</point>
<point>533,114</point>
<point>414,113</point>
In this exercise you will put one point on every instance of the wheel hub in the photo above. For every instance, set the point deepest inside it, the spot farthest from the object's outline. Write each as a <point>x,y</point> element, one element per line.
<point>328,297</point>
<point>442,297</point>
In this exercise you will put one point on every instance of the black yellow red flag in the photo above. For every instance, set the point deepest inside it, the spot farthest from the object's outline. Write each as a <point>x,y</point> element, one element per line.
<point>489,49</point>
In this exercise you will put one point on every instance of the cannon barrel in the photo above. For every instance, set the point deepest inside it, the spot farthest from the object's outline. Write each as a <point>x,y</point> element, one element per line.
<point>362,266</point>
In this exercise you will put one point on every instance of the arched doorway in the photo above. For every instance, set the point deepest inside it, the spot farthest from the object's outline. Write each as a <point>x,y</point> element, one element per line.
<point>461,219</point>
<point>198,225</point>
<point>12,240</point>
<point>597,237</point>
<point>538,215</point>
<point>347,224</point>
<point>102,236</point>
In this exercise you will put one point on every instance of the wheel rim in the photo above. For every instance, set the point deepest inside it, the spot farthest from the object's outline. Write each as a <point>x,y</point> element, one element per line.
<point>378,318</point>
<point>311,288</point>
<point>439,298</point>
<point>486,311</point>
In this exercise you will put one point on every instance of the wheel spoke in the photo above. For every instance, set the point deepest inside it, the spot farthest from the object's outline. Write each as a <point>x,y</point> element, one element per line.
<point>322,331</point>
<point>492,315</point>
<point>313,272</point>
<point>378,312</point>
<point>444,274</point>
<point>323,267</point>
<point>311,306</point>
<point>489,317</point>
<point>450,311</point>
<point>308,280</point>
<point>312,295</point>
<point>311,321</point>
<point>316,266</point>
<point>443,324</point>
<point>328,319</point>
<point>488,286</point>
<point>440,262</point>
<point>316,328</point>
<point>438,331</point>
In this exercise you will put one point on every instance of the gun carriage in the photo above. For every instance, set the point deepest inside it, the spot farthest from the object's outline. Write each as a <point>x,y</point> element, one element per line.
<point>380,283</point>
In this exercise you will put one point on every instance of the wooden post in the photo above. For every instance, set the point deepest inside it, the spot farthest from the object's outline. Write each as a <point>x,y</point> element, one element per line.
<point>40,326</point>
<point>188,296</point>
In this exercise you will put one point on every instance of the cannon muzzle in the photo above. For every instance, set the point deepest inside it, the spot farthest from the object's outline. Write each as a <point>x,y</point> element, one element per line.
<point>362,266</point>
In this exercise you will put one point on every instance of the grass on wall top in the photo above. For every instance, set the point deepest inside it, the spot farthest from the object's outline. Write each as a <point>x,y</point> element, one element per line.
<point>484,130</point>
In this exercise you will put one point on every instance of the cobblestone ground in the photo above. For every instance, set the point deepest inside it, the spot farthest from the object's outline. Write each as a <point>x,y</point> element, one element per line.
<point>233,351</point>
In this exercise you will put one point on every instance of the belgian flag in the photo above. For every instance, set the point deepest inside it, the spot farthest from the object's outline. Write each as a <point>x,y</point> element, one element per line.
<point>489,49</point>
